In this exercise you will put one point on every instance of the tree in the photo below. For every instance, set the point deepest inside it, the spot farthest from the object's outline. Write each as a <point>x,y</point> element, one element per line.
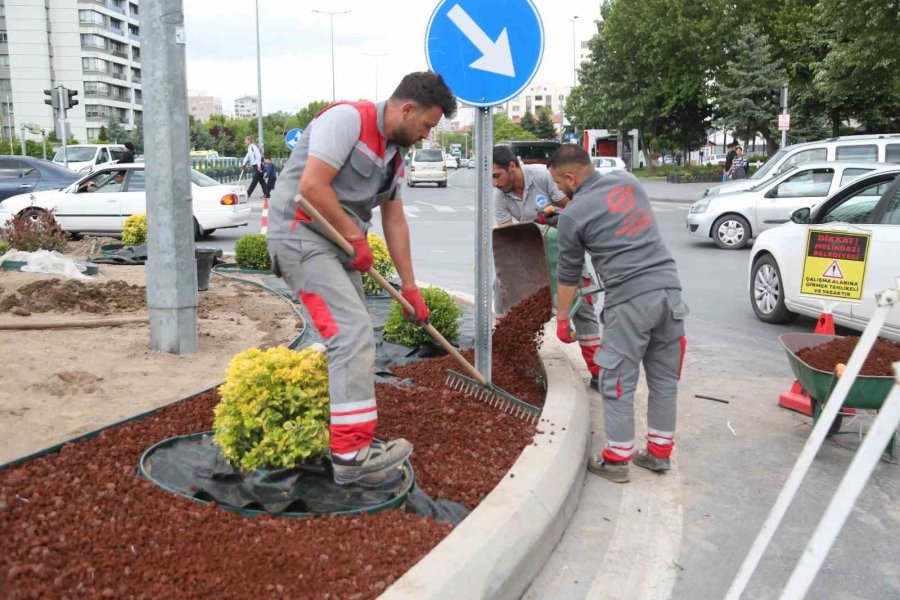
<point>528,123</point>
<point>505,129</point>
<point>308,113</point>
<point>200,138</point>
<point>102,136</point>
<point>115,132</point>
<point>748,90</point>
<point>543,128</point>
<point>137,134</point>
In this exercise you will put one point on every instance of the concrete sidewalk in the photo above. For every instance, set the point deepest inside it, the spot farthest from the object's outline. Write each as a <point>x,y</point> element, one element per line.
<point>684,193</point>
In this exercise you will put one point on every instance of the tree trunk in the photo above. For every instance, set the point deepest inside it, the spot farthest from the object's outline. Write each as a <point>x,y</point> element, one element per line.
<point>835,122</point>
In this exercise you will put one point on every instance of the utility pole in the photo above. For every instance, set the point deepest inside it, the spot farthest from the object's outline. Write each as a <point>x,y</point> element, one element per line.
<point>574,81</point>
<point>376,57</point>
<point>784,105</point>
<point>331,15</point>
<point>171,266</point>
<point>22,141</point>
<point>259,112</point>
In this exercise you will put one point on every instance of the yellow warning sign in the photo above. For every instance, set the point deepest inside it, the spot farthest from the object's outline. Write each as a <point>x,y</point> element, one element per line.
<point>835,265</point>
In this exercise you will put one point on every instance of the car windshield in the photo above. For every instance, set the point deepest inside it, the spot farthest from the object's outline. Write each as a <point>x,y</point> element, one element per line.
<point>762,184</point>
<point>198,178</point>
<point>763,171</point>
<point>428,156</point>
<point>75,154</point>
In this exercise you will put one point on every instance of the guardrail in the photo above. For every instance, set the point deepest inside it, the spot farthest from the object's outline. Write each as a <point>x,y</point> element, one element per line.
<point>225,170</point>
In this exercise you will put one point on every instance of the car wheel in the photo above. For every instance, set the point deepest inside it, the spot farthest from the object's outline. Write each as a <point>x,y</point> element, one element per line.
<point>767,292</point>
<point>731,232</point>
<point>198,231</point>
<point>32,214</point>
<point>442,184</point>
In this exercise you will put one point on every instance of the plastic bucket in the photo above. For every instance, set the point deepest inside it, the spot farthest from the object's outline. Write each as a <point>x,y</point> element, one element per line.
<point>205,258</point>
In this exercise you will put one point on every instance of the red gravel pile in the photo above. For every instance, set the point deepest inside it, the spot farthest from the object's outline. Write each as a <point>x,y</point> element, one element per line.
<point>826,356</point>
<point>83,523</point>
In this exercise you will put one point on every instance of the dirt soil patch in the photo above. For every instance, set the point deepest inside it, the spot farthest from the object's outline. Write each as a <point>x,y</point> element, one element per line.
<point>826,356</point>
<point>65,382</point>
<point>84,523</point>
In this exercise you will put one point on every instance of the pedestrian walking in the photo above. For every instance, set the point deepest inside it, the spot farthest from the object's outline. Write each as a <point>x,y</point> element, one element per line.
<point>610,218</point>
<point>349,162</point>
<point>270,174</point>
<point>739,165</point>
<point>521,193</point>
<point>253,162</point>
<point>729,159</point>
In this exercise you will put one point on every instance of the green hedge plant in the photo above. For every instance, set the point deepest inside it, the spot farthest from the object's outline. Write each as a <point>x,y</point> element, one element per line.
<point>252,252</point>
<point>274,410</point>
<point>444,316</point>
<point>135,232</point>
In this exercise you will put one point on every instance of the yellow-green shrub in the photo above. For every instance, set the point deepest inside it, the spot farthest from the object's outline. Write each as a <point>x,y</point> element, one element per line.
<point>135,232</point>
<point>382,264</point>
<point>274,408</point>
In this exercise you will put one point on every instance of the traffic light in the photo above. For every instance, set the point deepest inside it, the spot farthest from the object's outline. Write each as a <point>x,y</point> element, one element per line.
<point>52,100</point>
<point>70,98</point>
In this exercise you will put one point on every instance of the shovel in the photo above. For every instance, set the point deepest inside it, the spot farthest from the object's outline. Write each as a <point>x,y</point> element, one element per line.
<point>475,383</point>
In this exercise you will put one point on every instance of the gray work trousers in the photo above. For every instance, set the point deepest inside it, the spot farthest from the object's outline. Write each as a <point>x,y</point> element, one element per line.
<point>332,292</point>
<point>648,328</point>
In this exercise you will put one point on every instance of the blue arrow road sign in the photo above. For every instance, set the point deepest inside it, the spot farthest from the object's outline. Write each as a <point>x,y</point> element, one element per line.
<point>487,52</point>
<point>292,137</point>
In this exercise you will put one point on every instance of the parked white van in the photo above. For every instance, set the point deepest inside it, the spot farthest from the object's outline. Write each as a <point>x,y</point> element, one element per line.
<point>880,148</point>
<point>84,158</point>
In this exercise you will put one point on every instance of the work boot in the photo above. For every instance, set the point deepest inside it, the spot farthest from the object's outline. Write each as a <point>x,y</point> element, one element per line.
<point>372,465</point>
<point>615,472</point>
<point>595,383</point>
<point>653,463</point>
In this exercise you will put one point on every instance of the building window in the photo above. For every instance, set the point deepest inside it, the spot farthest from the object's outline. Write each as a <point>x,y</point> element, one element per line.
<point>93,64</point>
<point>136,54</point>
<point>4,61</point>
<point>93,133</point>
<point>4,39</point>
<point>538,98</point>
<point>5,85</point>
<point>89,16</point>
<point>134,9</point>
<point>138,97</point>
<point>95,111</point>
<point>90,40</point>
<point>134,31</point>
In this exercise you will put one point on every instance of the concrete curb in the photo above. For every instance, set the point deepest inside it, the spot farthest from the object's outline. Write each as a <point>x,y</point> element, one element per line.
<point>502,545</point>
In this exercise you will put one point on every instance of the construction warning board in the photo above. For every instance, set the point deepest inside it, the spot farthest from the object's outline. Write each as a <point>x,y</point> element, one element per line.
<point>835,265</point>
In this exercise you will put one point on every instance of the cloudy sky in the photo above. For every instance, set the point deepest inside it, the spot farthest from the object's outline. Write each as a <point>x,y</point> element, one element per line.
<point>296,58</point>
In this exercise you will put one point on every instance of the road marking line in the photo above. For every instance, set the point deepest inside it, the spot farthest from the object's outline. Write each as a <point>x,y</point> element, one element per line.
<point>437,207</point>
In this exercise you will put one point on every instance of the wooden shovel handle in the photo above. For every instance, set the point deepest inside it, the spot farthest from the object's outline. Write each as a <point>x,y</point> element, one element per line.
<point>341,242</point>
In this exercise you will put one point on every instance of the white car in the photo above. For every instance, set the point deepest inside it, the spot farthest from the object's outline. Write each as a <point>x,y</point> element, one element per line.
<point>717,159</point>
<point>427,165</point>
<point>731,220</point>
<point>606,164</point>
<point>84,158</point>
<point>102,200</point>
<point>870,204</point>
<point>451,162</point>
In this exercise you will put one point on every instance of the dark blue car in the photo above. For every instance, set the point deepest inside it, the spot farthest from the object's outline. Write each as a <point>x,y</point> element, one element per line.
<point>23,174</point>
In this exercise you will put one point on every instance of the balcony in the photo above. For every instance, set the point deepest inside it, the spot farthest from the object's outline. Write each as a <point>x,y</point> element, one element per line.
<point>134,36</point>
<point>119,53</point>
<point>118,76</point>
<point>111,6</point>
<point>115,30</point>
<point>100,47</point>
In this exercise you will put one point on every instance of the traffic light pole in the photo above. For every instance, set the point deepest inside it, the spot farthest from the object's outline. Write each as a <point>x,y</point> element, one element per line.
<point>61,120</point>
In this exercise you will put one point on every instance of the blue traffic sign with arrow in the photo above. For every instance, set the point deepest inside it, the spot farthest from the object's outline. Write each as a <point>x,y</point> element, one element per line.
<point>292,137</point>
<point>487,52</point>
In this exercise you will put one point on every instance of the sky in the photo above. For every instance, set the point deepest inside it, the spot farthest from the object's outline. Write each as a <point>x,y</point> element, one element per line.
<point>296,50</point>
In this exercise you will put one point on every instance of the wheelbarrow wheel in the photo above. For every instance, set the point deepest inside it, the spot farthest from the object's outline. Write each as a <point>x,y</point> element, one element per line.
<point>817,412</point>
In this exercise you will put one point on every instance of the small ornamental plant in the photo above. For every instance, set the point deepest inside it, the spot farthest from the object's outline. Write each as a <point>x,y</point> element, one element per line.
<point>252,252</point>
<point>273,412</point>
<point>135,232</point>
<point>444,316</point>
<point>35,230</point>
<point>382,264</point>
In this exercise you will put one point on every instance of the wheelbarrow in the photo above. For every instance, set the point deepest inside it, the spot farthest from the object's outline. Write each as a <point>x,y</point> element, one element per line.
<point>520,264</point>
<point>867,392</point>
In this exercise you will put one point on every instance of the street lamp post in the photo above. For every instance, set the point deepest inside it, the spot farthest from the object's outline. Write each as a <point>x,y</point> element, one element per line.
<point>562,117</point>
<point>376,57</point>
<point>259,113</point>
<point>331,15</point>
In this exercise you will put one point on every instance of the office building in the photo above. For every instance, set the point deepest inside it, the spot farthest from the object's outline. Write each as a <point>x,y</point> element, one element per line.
<point>203,107</point>
<point>245,107</point>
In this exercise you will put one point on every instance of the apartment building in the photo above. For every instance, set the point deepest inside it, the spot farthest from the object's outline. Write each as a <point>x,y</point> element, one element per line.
<point>92,46</point>
<point>535,98</point>
<point>245,107</point>
<point>203,107</point>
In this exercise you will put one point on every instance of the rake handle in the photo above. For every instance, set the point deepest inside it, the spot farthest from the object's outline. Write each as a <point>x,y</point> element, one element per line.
<point>341,242</point>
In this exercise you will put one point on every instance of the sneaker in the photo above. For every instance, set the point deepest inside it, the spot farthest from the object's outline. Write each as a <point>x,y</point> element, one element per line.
<point>615,472</point>
<point>372,465</point>
<point>648,461</point>
<point>595,383</point>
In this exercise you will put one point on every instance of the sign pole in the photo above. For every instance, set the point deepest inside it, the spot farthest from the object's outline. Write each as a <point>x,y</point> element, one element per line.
<point>484,144</point>
<point>784,104</point>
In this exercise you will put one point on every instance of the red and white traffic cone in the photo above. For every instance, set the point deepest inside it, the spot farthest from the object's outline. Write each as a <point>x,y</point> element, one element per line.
<point>796,398</point>
<point>264,222</point>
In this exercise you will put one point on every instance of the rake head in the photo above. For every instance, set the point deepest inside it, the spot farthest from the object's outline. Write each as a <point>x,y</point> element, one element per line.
<point>493,396</point>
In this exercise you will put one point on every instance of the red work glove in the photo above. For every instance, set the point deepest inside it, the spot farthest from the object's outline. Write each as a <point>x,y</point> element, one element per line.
<point>563,332</point>
<point>414,297</point>
<point>363,259</point>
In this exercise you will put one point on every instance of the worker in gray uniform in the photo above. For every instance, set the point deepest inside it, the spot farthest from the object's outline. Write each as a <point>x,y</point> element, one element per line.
<point>521,193</point>
<point>610,217</point>
<point>348,162</point>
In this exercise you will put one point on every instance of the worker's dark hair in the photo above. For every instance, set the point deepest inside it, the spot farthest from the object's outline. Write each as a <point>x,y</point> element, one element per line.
<point>569,154</point>
<point>503,155</point>
<point>129,146</point>
<point>730,145</point>
<point>427,89</point>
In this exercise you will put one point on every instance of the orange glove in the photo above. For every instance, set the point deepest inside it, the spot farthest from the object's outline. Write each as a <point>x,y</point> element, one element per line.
<point>363,259</point>
<point>414,297</point>
<point>565,335</point>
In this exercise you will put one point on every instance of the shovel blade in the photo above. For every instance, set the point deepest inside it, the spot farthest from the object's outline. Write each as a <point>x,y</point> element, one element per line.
<point>520,264</point>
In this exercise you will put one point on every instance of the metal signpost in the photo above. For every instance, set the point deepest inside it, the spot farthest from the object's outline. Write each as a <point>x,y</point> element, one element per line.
<point>487,52</point>
<point>292,138</point>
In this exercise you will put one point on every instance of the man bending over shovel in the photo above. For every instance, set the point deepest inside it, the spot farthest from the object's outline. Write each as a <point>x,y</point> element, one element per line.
<point>348,162</point>
<point>610,218</point>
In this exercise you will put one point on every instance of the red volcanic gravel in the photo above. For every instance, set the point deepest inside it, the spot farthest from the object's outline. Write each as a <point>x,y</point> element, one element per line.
<point>83,523</point>
<point>826,356</point>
